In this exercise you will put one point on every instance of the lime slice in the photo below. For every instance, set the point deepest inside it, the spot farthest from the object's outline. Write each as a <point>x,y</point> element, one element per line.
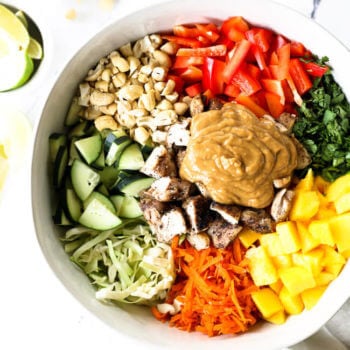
<point>15,65</point>
<point>35,50</point>
<point>22,17</point>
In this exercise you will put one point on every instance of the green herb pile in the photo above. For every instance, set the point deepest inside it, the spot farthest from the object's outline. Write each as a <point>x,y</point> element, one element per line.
<point>323,127</point>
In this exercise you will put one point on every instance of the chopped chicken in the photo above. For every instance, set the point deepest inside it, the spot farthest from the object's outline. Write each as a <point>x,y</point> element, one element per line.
<point>159,163</point>
<point>288,121</point>
<point>304,158</point>
<point>179,156</point>
<point>222,232</point>
<point>215,104</point>
<point>168,189</point>
<point>231,213</point>
<point>196,105</point>
<point>179,134</point>
<point>281,204</point>
<point>152,209</point>
<point>197,209</point>
<point>258,220</point>
<point>199,240</point>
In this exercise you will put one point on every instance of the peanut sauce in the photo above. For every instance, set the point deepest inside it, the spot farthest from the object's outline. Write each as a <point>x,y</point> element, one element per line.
<point>236,156</point>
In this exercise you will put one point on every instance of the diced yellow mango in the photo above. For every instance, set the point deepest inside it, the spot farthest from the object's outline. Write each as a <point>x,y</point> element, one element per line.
<point>324,278</point>
<point>321,231</point>
<point>334,269</point>
<point>296,279</point>
<point>272,243</point>
<point>332,261</point>
<point>267,301</point>
<point>276,286</point>
<point>248,237</point>
<point>321,184</point>
<point>338,187</point>
<point>311,260</point>
<point>261,267</point>
<point>284,260</point>
<point>325,213</point>
<point>304,206</point>
<point>308,242</point>
<point>277,318</point>
<point>307,183</point>
<point>340,227</point>
<point>293,304</point>
<point>342,203</point>
<point>346,254</point>
<point>288,234</point>
<point>311,296</point>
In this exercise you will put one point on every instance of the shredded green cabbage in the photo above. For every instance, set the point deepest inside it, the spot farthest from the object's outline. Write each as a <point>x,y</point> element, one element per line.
<point>125,264</point>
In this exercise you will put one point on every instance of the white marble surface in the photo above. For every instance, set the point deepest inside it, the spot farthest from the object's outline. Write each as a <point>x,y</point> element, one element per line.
<point>35,309</point>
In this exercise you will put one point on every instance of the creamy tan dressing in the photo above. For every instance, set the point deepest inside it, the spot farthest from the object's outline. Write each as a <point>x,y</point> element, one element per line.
<point>236,156</point>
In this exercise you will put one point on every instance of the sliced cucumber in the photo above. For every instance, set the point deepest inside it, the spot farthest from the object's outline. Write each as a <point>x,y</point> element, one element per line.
<point>73,151</point>
<point>115,143</point>
<point>60,166</point>
<point>55,141</point>
<point>131,158</point>
<point>99,163</point>
<point>60,217</point>
<point>72,205</point>
<point>84,179</point>
<point>134,184</point>
<point>72,116</point>
<point>98,217</point>
<point>130,208</point>
<point>81,129</point>
<point>117,200</point>
<point>109,176</point>
<point>101,198</point>
<point>147,148</point>
<point>102,189</point>
<point>89,147</point>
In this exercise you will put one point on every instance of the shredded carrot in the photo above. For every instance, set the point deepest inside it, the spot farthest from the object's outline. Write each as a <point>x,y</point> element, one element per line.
<point>214,287</point>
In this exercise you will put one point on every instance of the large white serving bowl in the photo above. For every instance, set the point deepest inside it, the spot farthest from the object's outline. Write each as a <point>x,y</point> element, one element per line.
<point>137,322</point>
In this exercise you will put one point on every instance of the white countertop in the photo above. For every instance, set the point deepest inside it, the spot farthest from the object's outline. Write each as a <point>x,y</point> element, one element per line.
<point>36,310</point>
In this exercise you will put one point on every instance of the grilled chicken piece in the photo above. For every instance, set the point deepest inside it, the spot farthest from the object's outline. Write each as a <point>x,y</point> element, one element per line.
<point>197,209</point>
<point>167,189</point>
<point>304,158</point>
<point>281,205</point>
<point>231,213</point>
<point>159,163</point>
<point>152,209</point>
<point>172,223</point>
<point>215,104</point>
<point>222,232</point>
<point>288,121</point>
<point>179,134</point>
<point>179,156</point>
<point>196,105</point>
<point>199,240</point>
<point>258,220</point>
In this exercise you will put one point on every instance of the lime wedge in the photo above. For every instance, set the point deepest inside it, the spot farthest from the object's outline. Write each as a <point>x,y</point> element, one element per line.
<point>35,50</point>
<point>15,65</point>
<point>22,17</point>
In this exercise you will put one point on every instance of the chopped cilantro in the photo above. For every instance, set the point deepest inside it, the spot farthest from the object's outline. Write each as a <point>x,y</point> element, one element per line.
<point>323,127</point>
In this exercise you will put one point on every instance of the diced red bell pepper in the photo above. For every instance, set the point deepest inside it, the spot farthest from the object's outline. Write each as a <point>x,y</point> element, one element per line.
<point>246,82</point>
<point>208,95</point>
<point>274,104</point>
<point>194,89</point>
<point>314,69</point>
<point>210,31</point>
<point>297,49</point>
<point>212,75</point>
<point>273,58</point>
<point>263,38</point>
<point>185,32</point>
<point>179,83</point>
<point>241,51</point>
<point>274,86</point>
<point>248,102</point>
<point>297,98</point>
<point>299,76</point>
<point>232,90</point>
<point>183,41</point>
<point>237,22</point>
<point>283,54</point>
<point>184,62</point>
<point>211,51</point>
<point>192,74</point>
<point>253,70</point>
<point>280,41</point>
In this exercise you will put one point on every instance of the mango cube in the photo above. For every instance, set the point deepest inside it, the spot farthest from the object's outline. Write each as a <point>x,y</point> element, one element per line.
<point>338,187</point>
<point>321,231</point>
<point>325,213</point>
<point>305,205</point>
<point>296,279</point>
<point>277,318</point>
<point>272,243</point>
<point>311,260</point>
<point>308,242</point>
<point>332,261</point>
<point>307,183</point>
<point>267,301</point>
<point>284,260</point>
<point>276,286</point>
<point>293,304</point>
<point>311,296</point>
<point>261,268</point>
<point>248,237</point>
<point>324,278</point>
<point>342,203</point>
<point>289,237</point>
<point>321,184</point>
<point>340,227</point>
